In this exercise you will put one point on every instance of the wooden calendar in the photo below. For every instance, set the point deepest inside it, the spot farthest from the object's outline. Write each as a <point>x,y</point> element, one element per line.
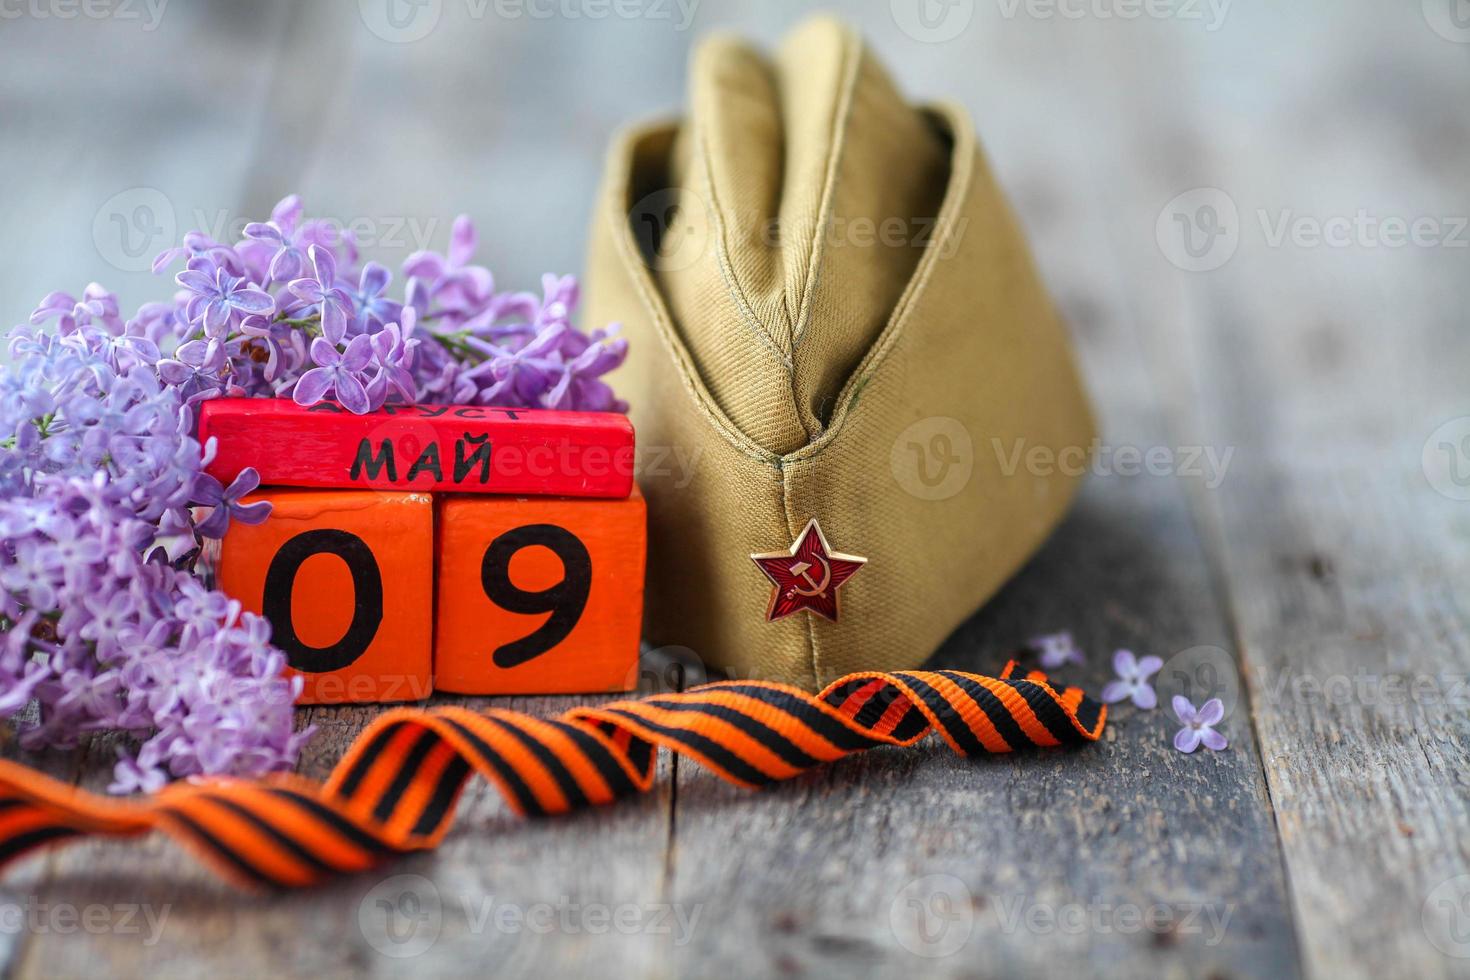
<point>385,580</point>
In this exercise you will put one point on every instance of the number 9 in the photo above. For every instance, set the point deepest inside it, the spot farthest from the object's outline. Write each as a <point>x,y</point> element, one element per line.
<point>565,600</point>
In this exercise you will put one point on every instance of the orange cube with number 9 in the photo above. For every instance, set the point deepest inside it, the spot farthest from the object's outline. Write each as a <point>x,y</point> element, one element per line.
<point>538,595</point>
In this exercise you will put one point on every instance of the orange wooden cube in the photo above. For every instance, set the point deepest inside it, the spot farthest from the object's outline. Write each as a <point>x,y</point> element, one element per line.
<point>538,595</point>
<point>346,579</point>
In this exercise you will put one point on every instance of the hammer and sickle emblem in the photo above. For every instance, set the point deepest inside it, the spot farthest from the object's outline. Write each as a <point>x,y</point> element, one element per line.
<point>804,569</point>
<point>808,575</point>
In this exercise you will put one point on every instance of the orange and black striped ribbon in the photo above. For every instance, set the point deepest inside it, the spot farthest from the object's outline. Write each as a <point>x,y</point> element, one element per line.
<point>396,788</point>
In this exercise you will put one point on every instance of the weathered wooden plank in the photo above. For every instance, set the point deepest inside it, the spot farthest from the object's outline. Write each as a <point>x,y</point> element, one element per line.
<point>1331,368</point>
<point>1340,559</point>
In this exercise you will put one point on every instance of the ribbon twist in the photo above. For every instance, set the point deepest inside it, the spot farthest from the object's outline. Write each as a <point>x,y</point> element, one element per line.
<point>396,788</point>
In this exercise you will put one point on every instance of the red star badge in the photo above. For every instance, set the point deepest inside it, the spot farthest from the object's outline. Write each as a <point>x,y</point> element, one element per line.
<point>808,576</point>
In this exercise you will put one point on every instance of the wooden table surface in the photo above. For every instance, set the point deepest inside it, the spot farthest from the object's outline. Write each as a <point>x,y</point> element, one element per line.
<point>1300,366</point>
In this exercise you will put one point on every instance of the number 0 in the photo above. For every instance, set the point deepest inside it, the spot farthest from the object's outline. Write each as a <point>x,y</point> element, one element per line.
<point>367,606</point>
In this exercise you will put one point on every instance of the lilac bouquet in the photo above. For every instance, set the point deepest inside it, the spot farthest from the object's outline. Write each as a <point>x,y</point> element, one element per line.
<point>288,312</point>
<point>103,498</point>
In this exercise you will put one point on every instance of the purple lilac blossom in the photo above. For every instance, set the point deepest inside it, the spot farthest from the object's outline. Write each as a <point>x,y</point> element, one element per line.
<point>292,282</point>
<point>225,502</point>
<point>373,309</point>
<point>219,299</point>
<point>460,289</point>
<point>279,237</point>
<point>1133,674</point>
<point>331,304</point>
<point>1199,724</point>
<point>1056,650</point>
<point>338,372</point>
<point>98,473</point>
<point>104,639</point>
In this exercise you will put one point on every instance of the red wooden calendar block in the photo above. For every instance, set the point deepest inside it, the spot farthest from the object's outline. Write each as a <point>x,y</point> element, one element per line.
<point>346,579</point>
<point>538,595</point>
<point>461,448</point>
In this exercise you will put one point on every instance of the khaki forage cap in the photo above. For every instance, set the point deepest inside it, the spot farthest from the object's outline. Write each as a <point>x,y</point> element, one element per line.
<point>831,314</point>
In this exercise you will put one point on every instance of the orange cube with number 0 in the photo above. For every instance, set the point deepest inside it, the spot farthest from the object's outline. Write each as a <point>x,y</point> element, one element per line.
<point>346,579</point>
